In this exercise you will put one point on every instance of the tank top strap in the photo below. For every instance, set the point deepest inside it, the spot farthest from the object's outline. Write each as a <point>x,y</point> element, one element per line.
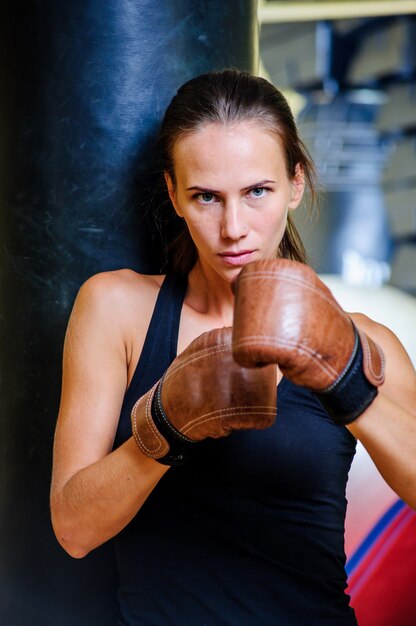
<point>159,348</point>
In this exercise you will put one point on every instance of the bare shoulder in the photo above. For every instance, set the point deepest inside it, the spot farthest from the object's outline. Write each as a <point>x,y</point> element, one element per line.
<point>400,379</point>
<point>118,295</point>
<point>120,286</point>
<point>118,305</point>
<point>381,334</point>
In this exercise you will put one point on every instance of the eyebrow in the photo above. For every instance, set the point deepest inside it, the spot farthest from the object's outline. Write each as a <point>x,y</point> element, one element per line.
<point>260,183</point>
<point>204,189</point>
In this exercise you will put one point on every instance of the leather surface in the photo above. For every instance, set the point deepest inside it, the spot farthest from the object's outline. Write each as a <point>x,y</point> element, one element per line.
<point>84,86</point>
<point>284,314</point>
<point>205,393</point>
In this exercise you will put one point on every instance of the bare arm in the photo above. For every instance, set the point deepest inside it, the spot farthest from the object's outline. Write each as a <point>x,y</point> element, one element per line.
<point>96,492</point>
<point>387,429</point>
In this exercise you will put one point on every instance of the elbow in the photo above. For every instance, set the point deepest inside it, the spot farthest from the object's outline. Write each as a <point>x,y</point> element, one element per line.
<point>77,552</point>
<point>71,546</point>
<point>73,549</point>
<point>69,540</point>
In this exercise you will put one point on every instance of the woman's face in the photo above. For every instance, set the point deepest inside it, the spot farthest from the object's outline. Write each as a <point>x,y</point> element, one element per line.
<point>233,191</point>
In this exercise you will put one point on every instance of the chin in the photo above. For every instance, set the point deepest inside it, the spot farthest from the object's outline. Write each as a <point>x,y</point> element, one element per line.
<point>232,275</point>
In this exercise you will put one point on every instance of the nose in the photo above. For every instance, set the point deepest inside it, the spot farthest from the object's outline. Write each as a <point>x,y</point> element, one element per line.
<point>233,222</point>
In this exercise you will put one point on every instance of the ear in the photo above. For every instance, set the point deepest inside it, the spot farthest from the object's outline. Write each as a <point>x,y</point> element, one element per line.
<point>298,187</point>
<point>172,192</point>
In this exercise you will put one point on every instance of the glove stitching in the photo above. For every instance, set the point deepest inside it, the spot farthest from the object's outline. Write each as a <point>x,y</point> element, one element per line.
<point>199,354</point>
<point>230,412</point>
<point>163,447</point>
<point>134,420</point>
<point>379,378</point>
<point>162,415</point>
<point>255,340</point>
<point>297,280</point>
<point>194,357</point>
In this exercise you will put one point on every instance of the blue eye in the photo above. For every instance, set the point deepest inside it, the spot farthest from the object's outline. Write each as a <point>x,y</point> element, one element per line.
<point>258,192</point>
<point>206,197</point>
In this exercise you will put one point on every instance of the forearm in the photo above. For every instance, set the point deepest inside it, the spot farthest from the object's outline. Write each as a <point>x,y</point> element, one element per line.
<point>388,432</point>
<point>98,501</point>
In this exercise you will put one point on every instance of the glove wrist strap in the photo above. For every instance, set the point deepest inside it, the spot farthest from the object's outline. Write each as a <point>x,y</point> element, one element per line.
<point>352,393</point>
<point>179,444</point>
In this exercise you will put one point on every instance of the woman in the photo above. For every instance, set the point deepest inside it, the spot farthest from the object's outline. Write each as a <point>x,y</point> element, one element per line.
<point>248,528</point>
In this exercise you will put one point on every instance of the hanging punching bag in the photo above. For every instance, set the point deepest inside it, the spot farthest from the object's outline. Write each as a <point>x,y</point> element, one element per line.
<point>85,84</point>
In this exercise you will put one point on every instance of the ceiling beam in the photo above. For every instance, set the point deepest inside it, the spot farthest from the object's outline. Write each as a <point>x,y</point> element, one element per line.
<point>293,11</point>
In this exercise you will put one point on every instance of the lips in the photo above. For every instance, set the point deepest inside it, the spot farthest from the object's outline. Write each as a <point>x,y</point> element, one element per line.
<point>237,258</point>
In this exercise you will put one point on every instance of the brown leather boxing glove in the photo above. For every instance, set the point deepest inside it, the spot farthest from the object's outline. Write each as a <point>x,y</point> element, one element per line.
<point>204,393</point>
<point>284,314</point>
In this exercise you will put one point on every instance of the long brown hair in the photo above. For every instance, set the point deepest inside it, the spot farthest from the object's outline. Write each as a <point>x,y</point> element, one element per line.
<point>225,97</point>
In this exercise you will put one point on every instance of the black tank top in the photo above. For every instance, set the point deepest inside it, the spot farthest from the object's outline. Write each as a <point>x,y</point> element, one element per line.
<point>250,532</point>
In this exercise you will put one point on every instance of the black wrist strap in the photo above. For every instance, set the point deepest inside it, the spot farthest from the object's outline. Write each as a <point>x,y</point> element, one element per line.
<point>350,395</point>
<point>179,444</point>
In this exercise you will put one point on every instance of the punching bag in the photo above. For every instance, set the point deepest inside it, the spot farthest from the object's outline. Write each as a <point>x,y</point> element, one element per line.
<point>84,86</point>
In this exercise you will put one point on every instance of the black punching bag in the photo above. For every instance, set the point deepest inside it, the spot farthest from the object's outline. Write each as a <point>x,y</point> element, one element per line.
<point>83,87</point>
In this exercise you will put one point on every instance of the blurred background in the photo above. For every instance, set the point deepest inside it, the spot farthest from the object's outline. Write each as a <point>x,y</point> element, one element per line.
<point>348,69</point>
<point>352,81</point>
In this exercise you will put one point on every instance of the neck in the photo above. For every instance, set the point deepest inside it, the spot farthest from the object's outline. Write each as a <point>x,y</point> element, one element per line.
<point>209,294</point>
